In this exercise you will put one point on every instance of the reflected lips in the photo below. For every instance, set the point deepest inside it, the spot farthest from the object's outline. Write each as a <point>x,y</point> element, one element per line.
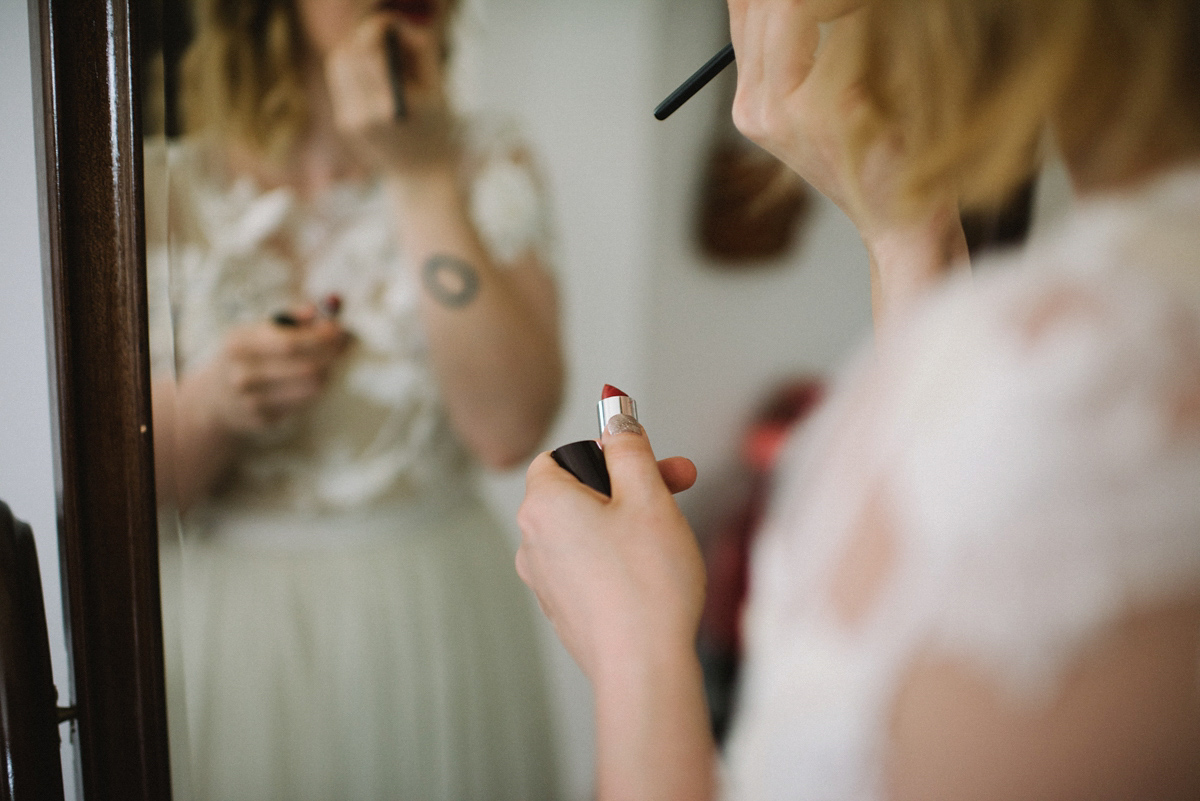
<point>420,12</point>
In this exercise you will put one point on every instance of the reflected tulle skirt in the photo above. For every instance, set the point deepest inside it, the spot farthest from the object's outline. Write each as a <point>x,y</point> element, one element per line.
<point>386,654</point>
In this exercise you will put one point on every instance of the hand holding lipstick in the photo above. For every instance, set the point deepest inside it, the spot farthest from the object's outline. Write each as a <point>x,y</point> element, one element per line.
<point>585,459</point>
<point>329,309</point>
<point>622,580</point>
<point>267,371</point>
<point>387,89</point>
<point>612,570</point>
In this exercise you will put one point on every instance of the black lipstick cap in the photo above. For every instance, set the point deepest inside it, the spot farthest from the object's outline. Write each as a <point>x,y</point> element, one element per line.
<point>585,461</point>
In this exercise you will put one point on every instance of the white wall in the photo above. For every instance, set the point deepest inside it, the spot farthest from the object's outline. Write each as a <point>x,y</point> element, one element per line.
<point>578,76</point>
<point>26,462</point>
<point>643,310</point>
<point>718,341</point>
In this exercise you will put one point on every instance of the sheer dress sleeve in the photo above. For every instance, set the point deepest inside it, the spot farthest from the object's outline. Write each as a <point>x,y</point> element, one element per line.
<point>1034,432</point>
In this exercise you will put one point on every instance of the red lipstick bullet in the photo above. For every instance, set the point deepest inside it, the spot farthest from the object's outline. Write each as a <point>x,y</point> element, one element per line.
<point>613,401</point>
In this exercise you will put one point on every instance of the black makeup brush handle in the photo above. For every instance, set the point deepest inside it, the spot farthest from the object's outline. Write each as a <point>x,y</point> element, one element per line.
<point>395,64</point>
<point>695,83</point>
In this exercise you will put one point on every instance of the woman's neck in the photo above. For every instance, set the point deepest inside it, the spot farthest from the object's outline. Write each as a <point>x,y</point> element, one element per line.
<point>320,157</point>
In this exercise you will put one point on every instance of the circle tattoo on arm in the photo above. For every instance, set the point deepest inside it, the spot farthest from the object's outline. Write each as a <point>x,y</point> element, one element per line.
<point>451,281</point>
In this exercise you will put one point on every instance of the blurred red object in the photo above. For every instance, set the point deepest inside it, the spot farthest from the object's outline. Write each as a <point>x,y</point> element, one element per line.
<point>727,555</point>
<point>729,551</point>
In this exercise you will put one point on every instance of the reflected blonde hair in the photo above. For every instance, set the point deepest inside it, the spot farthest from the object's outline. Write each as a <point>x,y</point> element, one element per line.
<point>968,86</point>
<point>243,74</point>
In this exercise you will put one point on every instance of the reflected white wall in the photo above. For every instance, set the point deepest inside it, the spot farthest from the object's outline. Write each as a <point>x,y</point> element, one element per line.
<point>579,77</point>
<point>719,341</point>
<point>643,310</point>
<point>26,463</point>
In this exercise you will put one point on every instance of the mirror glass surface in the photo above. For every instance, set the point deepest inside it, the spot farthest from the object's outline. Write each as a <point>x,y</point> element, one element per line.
<point>342,618</point>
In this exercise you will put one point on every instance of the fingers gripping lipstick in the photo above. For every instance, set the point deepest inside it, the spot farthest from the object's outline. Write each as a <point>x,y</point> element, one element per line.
<point>329,308</point>
<point>584,459</point>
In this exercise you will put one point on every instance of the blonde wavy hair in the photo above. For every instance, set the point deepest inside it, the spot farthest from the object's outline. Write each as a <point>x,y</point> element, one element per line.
<point>969,86</point>
<point>242,76</point>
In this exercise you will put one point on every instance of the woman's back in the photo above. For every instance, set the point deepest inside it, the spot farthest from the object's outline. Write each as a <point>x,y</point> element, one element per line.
<point>1009,479</point>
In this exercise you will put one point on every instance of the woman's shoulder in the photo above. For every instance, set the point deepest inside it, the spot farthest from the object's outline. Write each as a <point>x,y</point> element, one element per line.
<point>1115,290</point>
<point>492,134</point>
<point>1037,426</point>
<point>1054,497</point>
<point>1041,423</point>
<point>1083,346</point>
<point>509,197</point>
<point>196,161</point>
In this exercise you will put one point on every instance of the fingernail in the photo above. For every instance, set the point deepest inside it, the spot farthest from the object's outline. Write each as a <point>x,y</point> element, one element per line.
<point>624,424</point>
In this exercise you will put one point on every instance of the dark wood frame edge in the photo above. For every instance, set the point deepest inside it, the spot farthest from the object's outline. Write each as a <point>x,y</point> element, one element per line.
<point>86,72</point>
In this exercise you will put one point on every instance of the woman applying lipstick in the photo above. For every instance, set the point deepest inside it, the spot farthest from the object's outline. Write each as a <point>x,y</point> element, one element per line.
<point>351,628</point>
<point>981,575</point>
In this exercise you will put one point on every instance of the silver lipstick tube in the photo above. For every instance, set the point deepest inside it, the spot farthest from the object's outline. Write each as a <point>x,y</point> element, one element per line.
<point>617,404</point>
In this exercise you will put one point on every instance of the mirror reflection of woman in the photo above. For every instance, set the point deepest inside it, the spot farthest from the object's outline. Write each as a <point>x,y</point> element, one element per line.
<point>361,313</point>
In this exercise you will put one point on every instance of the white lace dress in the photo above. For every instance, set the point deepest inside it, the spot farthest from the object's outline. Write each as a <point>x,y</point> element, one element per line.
<point>1036,431</point>
<point>352,625</point>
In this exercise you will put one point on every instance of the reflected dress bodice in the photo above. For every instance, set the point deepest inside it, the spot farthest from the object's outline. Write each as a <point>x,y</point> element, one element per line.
<point>350,624</point>
<point>239,254</point>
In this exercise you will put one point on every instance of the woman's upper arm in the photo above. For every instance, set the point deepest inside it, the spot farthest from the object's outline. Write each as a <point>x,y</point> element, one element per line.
<point>1123,724</point>
<point>510,207</point>
<point>534,283</point>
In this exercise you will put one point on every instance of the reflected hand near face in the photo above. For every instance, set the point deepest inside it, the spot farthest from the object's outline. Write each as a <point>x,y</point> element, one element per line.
<point>619,578</point>
<point>266,372</point>
<point>364,101</point>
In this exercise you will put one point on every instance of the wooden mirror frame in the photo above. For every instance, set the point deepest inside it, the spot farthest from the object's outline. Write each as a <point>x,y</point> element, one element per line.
<point>87,116</point>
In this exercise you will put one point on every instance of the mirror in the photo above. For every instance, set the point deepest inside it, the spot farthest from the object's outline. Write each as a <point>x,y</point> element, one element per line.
<point>341,615</point>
